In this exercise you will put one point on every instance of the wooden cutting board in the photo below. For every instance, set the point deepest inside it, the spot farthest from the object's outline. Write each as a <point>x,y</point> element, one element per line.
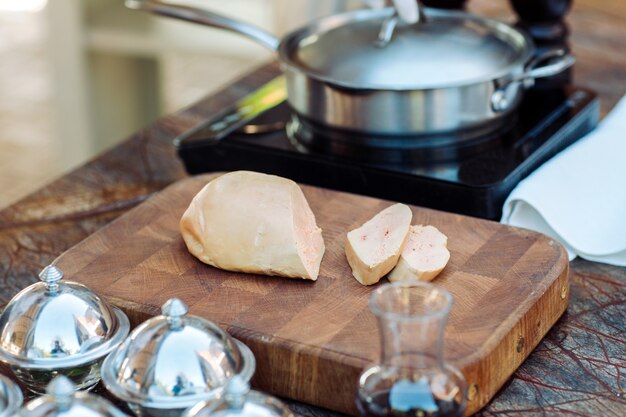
<point>312,339</point>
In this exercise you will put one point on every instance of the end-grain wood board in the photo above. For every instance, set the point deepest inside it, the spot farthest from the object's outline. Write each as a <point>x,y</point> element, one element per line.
<point>312,339</point>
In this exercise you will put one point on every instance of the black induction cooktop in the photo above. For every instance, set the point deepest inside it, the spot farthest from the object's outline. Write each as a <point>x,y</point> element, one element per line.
<point>468,175</point>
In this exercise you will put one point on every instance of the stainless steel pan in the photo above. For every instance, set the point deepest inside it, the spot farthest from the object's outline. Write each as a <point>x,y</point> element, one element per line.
<point>368,72</point>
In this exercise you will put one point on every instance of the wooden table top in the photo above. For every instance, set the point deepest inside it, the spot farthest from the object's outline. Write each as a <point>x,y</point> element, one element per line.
<point>576,370</point>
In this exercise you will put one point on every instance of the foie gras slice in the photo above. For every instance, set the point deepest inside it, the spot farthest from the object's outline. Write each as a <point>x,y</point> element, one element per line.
<point>252,222</point>
<point>424,256</point>
<point>374,248</point>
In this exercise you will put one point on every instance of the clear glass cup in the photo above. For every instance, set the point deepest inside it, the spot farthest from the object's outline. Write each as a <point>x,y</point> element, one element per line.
<point>412,378</point>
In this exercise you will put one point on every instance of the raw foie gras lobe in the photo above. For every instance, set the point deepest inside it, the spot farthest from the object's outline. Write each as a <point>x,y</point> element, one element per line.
<point>252,222</point>
<point>374,248</point>
<point>424,256</point>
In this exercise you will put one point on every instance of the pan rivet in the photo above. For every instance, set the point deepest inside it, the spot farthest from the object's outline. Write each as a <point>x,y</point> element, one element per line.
<point>472,393</point>
<point>499,101</point>
<point>563,292</point>
<point>520,344</point>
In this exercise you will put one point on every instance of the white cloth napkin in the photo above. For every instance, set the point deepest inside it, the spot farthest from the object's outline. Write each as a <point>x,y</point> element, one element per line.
<point>579,196</point>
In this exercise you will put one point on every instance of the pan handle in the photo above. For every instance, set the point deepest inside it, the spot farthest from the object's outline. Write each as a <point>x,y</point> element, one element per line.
<point>558,60</point>
<point>204,17</point>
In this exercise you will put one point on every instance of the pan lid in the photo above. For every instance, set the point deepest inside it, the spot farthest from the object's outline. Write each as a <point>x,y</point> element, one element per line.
<point>446,49</point>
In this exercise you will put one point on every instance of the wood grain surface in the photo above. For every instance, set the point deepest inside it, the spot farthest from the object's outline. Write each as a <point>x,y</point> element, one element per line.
<point>312,339</point>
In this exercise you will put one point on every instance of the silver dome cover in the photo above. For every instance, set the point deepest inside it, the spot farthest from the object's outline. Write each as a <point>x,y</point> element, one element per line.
<point>175,360</point>
<point>10,397</point>
<point>238,400</point>
<point>57,324</point>
<point>62,400</point>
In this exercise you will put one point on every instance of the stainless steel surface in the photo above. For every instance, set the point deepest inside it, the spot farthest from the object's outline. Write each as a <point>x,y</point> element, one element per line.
<point>172,361</point>
<point>558,61</point>
<point>386,31</point>
<point>452,72</point>
<point>407,11</point>
<point>56,326</point>
<point>419,112</point>
<point>238,400</point>
<point>53,321</point>
<point>61,400</point>
<point>10,397</point>
<point>443,81</point>
<point>204,17</point>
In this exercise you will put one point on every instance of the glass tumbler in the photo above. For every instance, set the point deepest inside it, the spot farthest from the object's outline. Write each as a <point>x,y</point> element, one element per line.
<point>411,378</point>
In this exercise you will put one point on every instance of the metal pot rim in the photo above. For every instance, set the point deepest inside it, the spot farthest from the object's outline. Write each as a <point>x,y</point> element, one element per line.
<point>286,46</point>
<point>92,355</point>
<point>108,371</point>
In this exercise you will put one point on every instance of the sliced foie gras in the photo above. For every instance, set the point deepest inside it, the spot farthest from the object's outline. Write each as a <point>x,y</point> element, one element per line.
<point>424,255</point>
<point>251,222</point>
<point>374,248</point>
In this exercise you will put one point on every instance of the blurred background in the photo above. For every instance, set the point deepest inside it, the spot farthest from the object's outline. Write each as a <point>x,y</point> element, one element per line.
<point>78,76</point>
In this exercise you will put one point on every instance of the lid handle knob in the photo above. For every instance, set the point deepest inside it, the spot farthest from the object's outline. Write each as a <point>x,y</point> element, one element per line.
<point>174,310</point>
<point>50,275</point>
<point>406,11</point>
<point>235,392</point>
<point>61,390</point>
